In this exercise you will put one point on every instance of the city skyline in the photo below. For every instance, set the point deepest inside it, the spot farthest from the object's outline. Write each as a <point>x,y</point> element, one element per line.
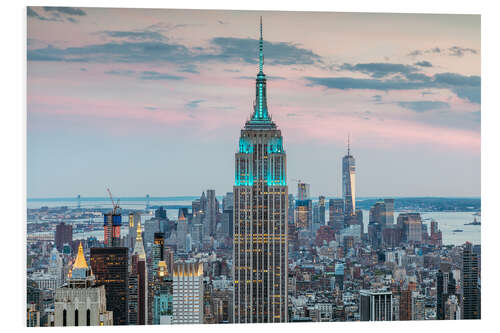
<point>179,100</point>
<point>144,103</point>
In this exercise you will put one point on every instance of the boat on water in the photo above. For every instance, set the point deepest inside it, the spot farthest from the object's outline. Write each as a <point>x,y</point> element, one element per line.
<point>458,230</point>
<point>475,222</point>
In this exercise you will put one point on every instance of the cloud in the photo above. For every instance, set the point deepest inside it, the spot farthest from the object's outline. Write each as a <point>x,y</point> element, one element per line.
<point>152,75</point>
<point>423,64</point>
<point>422,106</point>
<point>460,51</point>
<point>271,77</point>
<point>222,49</point>
<point>194,104</point>
<point>455,51</point>
<point>465,87</point>
<point>120,72</point>
<point>33,14</point>
<point>66,10</point>
<point>189,68</point>
<point>378,70</point>
<point>145,75</point>
<point>127,52</point>
<point>415,53</point>
<point>134,35</point>
<point>347,83</point>
<point>151,108</point>
<point>245,50</point>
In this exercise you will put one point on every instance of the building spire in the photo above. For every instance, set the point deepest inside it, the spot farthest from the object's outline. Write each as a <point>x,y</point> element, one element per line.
<point>260,106</point>
<point>80,261</point>
<point>139,246</point>
<point>261,49</point>
<point>348,145</point>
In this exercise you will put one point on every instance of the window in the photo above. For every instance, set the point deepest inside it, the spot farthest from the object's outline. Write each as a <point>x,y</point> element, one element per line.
<point>88,317</point>
<point>76,317</point>
<point>64,317</point>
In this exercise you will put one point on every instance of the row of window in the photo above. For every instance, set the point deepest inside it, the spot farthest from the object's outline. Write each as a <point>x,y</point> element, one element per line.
<point>65,318</point>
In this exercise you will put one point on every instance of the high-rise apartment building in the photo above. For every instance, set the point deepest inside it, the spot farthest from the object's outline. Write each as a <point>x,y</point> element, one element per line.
<point>260,253</point>
<point>187,280</point>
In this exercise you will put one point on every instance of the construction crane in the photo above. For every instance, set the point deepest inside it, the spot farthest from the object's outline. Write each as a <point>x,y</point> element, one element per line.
<point>116,205</point>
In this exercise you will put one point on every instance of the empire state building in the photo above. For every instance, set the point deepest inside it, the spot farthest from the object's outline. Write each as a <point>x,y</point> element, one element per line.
<point>260,250</point>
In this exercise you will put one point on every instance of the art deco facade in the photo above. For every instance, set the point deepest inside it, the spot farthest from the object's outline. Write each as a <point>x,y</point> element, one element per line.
<point>80,302</point>
<point>260,216</point>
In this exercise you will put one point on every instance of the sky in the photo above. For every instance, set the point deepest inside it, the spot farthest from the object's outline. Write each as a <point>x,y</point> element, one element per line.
<point>152,101</point>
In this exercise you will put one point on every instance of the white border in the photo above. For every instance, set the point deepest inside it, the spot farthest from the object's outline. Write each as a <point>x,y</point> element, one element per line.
<point>13,161</point>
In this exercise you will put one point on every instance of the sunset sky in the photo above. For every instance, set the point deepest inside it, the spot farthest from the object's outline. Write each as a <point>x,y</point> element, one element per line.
<point>153,100</point>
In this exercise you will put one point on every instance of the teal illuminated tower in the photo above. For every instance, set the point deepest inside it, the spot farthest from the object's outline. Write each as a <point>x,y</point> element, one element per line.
<point>260,251</point>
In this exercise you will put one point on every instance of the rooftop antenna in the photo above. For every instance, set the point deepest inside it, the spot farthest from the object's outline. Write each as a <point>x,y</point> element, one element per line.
<point>261,47</point>
<point>348,145</point>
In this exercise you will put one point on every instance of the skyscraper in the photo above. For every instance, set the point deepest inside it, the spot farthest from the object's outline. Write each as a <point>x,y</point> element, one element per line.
<point>336,214</point>
<point>80,302</point>
<point>411,226</point>
<point>188,293</point>
<point>139,276</point>
<point>321,203</point>
<point>211,213</point>
<point>446,287</point>
<point>163,296</point>
<point>260,253</point>
<point>470,284</point>
<point>110,267</point>
<point>303,214</point>
<point>349,183</point>
<point>112,227</point>
<point>303,191</point>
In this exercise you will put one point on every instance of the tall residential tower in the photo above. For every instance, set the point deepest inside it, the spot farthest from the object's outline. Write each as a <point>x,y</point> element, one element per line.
<point>260,216</point>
